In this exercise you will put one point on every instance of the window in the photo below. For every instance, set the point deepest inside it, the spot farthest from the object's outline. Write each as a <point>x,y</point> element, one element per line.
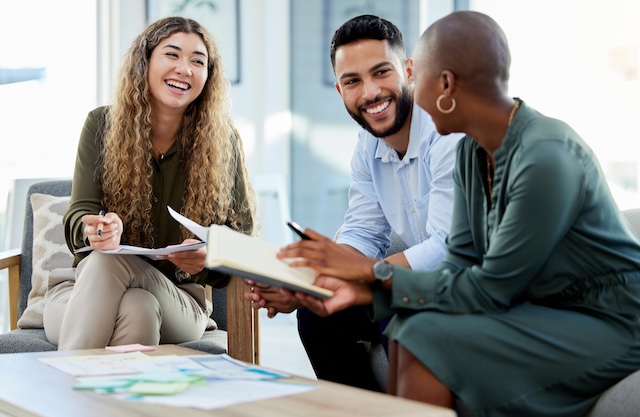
<point>47,87</point>
<point>578,61</point>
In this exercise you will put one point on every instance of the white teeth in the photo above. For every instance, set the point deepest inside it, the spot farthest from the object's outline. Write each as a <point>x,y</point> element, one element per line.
<point>178,84</point>
<point>377,109</point>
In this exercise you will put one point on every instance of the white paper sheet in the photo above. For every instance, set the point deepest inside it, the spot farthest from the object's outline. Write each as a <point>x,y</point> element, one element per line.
<point>224,393</point>
<point>148,252</point>
<point>200,231</point>
<point>228,381</point>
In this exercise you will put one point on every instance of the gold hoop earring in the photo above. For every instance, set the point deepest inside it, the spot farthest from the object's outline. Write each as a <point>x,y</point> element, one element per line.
<point>453,105</point>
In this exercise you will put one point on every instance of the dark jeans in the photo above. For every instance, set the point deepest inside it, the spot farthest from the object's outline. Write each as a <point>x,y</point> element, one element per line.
<point>334,346</point>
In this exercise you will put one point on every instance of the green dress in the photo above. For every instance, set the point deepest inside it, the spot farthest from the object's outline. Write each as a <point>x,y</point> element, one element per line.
<point>534,311</point>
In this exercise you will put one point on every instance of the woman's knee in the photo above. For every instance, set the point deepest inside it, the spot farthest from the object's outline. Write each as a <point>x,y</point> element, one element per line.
<point>416,382</point>
<point>95,260</point>
<point>139,304</point>
<point>105,269</point>
<point>139,319</point>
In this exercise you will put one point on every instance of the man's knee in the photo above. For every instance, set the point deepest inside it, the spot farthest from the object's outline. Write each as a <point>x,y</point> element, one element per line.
<point>310,324</point>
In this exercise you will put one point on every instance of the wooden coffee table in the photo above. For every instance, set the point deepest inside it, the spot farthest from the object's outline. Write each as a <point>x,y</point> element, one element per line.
<point>31,388</point>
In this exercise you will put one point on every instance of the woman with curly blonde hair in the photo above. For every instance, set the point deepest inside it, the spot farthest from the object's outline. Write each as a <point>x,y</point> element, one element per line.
<point>167,140</point>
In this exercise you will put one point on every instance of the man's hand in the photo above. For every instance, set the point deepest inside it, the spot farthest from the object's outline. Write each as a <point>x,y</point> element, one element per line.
<point>273,299</point>
<point>328,258</point>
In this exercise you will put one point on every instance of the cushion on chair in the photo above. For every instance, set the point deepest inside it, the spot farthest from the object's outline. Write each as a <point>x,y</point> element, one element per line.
<point>633,217</point>
<point>621,400</point>
<point>25,340</point>
<point>58,188</point>
<point>213,341</point>
<point>49,252</point>
<point>31,340</point>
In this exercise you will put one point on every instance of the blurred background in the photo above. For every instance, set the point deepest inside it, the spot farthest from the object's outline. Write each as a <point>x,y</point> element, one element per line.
<point>576,60</point>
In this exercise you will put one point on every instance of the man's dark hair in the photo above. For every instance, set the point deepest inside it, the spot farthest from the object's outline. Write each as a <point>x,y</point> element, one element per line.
<point>367,27</point>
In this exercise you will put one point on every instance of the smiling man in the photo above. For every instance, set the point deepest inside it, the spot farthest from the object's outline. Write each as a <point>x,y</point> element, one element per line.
<point>401,181</point>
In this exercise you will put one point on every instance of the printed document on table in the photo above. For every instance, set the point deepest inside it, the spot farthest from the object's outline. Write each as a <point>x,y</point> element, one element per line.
<point>219,380</point>
<point>224,393</point>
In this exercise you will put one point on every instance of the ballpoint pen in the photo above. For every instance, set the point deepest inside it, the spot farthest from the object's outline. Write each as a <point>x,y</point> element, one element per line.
<point>100,225</point>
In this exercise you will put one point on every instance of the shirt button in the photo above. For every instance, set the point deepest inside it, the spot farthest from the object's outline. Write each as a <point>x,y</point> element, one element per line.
<point>421,301</point>
<point>155,199</point>
<point>405,300</point>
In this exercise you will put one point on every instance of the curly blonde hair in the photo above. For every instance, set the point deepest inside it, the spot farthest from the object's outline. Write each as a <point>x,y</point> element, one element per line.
<point>208,144</point>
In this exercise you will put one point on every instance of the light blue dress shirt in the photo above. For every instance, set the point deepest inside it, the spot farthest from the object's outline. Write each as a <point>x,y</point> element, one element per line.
<point>412,196</point>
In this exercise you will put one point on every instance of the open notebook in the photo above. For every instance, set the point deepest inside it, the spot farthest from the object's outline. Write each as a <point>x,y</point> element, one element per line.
<point>253,258</point>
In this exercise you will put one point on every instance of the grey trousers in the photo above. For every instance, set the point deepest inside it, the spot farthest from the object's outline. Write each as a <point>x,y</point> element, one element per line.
<point>118,300</point>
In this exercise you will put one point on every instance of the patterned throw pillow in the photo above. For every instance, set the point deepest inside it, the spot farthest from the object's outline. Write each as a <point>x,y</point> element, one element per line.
<point>49,252</point>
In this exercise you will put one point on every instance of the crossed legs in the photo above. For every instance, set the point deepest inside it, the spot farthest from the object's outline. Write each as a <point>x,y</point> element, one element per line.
<point>121,299</point>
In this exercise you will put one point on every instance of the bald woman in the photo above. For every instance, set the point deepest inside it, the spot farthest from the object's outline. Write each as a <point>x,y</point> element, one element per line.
<point>535,309</point>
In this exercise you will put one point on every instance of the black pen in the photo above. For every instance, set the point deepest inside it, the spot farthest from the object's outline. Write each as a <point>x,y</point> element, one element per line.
<point>100,225</point>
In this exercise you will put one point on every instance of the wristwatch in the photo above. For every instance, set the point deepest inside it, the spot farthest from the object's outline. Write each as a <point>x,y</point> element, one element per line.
<point>181,275</point>
<point>382,271</point>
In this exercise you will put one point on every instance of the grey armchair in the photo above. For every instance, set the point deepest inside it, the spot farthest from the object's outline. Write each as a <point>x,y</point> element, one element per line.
<point>237,332</point>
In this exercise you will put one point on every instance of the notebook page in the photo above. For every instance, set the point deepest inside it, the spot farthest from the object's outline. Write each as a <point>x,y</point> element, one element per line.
<point>252,254</point>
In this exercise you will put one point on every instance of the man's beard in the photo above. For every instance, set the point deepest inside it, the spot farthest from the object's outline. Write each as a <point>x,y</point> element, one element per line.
<point>403,108</point>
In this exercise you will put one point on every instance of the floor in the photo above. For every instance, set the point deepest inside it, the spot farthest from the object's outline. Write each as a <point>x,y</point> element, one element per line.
<point>280,346</point>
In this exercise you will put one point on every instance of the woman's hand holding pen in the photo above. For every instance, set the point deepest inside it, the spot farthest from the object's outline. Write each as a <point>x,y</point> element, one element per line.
<point>103,231</point>
<point>328,258</point>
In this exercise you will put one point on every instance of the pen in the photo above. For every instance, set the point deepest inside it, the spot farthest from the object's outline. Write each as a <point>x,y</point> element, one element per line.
<point>100,225</point>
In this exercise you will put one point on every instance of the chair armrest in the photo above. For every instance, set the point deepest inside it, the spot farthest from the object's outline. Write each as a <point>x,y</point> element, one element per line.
<point>242,324</point>
<point>10,260</point>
